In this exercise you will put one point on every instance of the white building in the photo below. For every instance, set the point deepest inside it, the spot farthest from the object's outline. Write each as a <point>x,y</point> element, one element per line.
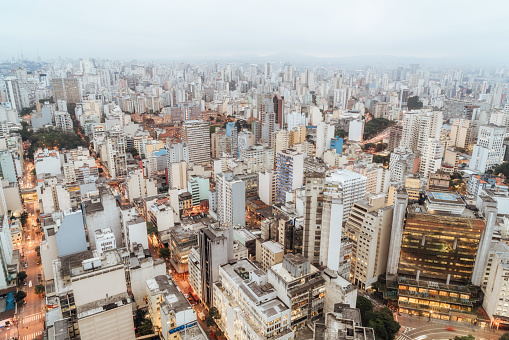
<point>249,306</point>
<point>267,186</point>
<point>324,134</point>
<point>496,301</point>
<point>140,186</point>
<point>489,150</point>
<point>47,162</point>
<point>196,134</point>
<point>177,152</point>
<point>231,200</point>
<point>351,185</point>
<point>289,172</point>
<point>258,158</point>
<point>356,130</point>
<point>431,159</point>
<point>294,119</point>
<point>105,240</point>
<point>177,173</point>
<point>63,121</point>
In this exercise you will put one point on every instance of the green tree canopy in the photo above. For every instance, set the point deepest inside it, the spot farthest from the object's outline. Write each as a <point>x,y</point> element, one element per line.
<point>23,217</point>
<point>340,133</point>
<point>151,229</point>
<point>502,169</point>
<point>375,126</point>
<point>414,103</point>
<point>39,289</point>
<point>382,321</point>
<point>466,337</point>
<point>505,336</point>
<point>20,296</point>
<point>164,253</point>
<point>214,313</point>
<point>133,152</point>
<point>22,276</point>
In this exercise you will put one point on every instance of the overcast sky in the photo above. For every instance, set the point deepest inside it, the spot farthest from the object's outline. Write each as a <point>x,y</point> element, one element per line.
<point>168,29</point>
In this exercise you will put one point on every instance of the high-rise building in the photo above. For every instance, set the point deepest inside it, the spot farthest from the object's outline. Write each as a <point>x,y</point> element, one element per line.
<point>268,126</point>
<point>351,185</point>
<point>419,126</point>
<point>196,134</point>
<point>177,175</point>
<point>431,159</point>
<point>232,133</point>
<point>369,229</point>
<point>68,89</point>
<point>460,133</point>
<point>290,171</point>
<point>113,153</point>
<point>267,186</point>
<point>299,285</point>
<point>324,135</point>
<point>177,152</point>
<point>215,246</point>
<point>395,134</point>
<point>63,121</point>
<point>278,110</point>
<point>258,158</point>
<point>489,150</point>
<point>231,200</point>
<point>249,306</point>
<point>13,93</point>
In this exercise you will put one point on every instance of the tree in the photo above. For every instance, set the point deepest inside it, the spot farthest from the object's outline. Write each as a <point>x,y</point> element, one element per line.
<point>33,172</point>
<point>214,313</point>
<point>209,321</point>
<point>39,289</point>
<point>365,306</point>
<point>340,133</point>
<point>164,253</point>
<point>133,152</point>
<point>22,277</point>
<point>151,229</point>
<point>505,336</point>
<point>20,296</point>
<point>467,337</point>
<point>38,251</point>
<point>502,169</point>
<point>23,217</point>
<point>382,159</point>
<point>414,103</point>
<point>375,126</point>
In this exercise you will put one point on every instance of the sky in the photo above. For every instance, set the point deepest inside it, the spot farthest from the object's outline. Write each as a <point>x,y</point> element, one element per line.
<point>176,30</point>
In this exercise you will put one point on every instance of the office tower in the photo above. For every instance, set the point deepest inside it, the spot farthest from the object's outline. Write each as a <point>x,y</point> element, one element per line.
<point>303,288</point>
<point>245,315</point>
<point>278,110</point>
<point>215,246</point>
<point>460,133</point>
<point>220,144</point>
<point>351,185</point>
<point>68,89</point>
<point>184,111</point>
<point>290,171</point>
<point>232,133</point>
<point>294,119</point>
<point>431,159</point>
<point>268,70</point>
<point>258,158</point>
<point>369,229</point>
<point>196,134</point>
<point>113,153</point>
<point>403,97</point>
<point>381,110</point>
<point>231,200</point>
<point>395,134</point>
<point>13,93</point>
<point>489,150</point>
<point>324,135</point>
<point>356,130</point>
<point>177,152</point>
<point>268,126</point>
<point>419,126</point>
<point>402,163</point>
<point>442,228</point>
<point>267,186</point>
<point>63,121</point>
<point>323,217</point>
<point>398,220</point>
<point>177,175</point>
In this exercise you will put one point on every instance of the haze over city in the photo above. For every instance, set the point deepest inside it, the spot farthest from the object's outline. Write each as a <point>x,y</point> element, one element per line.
<point>463,31</point>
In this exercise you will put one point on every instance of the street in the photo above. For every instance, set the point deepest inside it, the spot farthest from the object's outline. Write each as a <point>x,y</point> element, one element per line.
<point>422,328</point>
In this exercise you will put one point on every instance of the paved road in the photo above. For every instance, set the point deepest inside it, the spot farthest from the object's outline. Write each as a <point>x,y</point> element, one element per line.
<point>414,328</point>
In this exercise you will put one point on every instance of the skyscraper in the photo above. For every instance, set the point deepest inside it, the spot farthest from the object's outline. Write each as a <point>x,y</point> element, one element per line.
<point>489,150</point>
<point>290,171</point>
<point>196,134</point>
<point>231,198</point>
<point>68,89</point>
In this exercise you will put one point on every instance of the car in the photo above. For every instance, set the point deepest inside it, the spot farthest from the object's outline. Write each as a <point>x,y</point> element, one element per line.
<point>28,237</point>
<point>24,283</point>
<point>212,335</point>
<point>452,329</point>
<point>26,265</point>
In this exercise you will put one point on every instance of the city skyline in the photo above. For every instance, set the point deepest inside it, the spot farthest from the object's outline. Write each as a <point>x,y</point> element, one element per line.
<point>203,30</point>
